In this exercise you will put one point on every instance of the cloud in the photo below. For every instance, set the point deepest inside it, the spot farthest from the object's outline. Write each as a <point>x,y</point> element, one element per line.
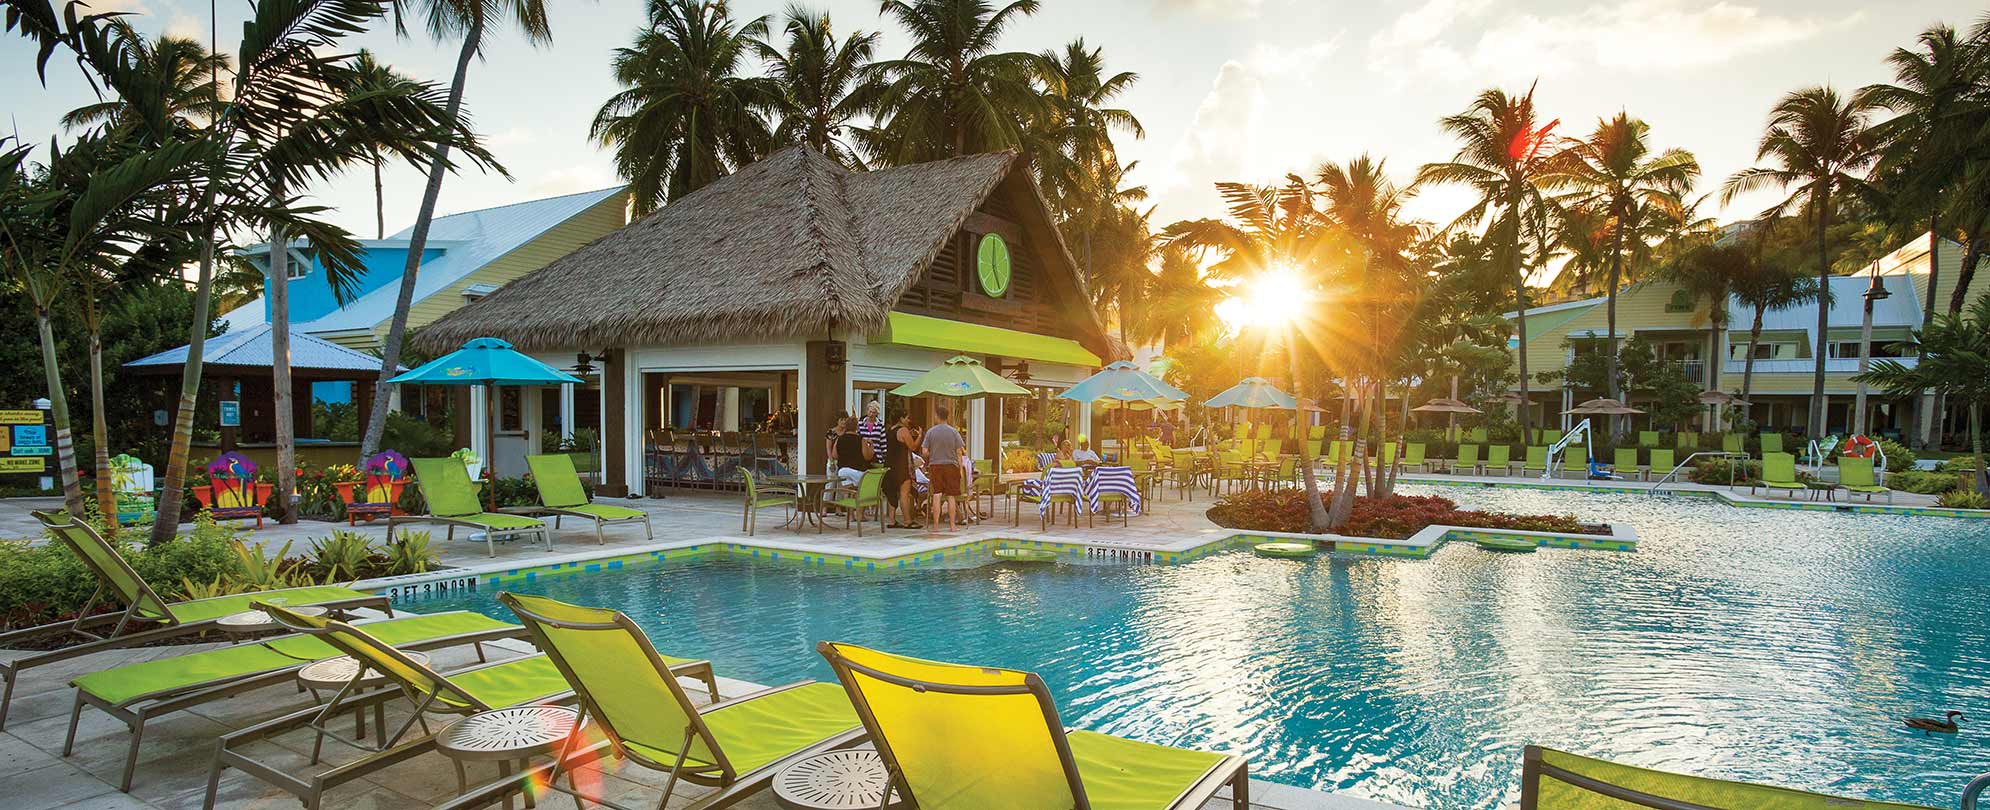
<point>1247,8</point>
<point>572,179</point>
<point>186,26</point>
<point>1234,136</point>
<point>1630,35</point>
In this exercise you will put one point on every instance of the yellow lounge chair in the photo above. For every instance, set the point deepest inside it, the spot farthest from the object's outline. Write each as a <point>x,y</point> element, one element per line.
<point>959,737</point>
<point>1553,780</point>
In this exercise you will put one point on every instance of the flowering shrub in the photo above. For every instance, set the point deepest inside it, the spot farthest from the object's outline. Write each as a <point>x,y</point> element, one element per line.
<point>1394,517</point>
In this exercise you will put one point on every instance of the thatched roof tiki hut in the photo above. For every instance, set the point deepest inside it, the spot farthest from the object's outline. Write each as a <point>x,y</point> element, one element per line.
<point>798,283</point>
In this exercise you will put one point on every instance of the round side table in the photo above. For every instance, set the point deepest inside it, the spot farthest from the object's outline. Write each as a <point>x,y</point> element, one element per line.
<point>505,736</point>
<point>850,779</point>
<point>249,622</point>
<point>336,675</point>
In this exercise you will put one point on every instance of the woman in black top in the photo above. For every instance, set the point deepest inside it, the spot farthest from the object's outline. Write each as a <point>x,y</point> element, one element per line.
<point>899,445</point>
<point>852,452</point>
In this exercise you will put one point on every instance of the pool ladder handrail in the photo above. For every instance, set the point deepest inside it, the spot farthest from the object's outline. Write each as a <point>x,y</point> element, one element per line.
<point>1688,462</point>
<point>1974,790</point>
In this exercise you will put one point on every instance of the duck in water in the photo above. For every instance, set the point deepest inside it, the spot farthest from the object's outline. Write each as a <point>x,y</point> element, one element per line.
<point>1929,725</point>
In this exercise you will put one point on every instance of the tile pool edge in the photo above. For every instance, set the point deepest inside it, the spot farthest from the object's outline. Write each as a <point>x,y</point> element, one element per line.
<point>1730,498</point>
<point>455,581</point>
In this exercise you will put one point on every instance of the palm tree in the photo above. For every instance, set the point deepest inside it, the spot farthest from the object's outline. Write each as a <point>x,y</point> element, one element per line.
<point>1928,144</point>
<point>1503,156</point>
<point>1765,283</point>
<point>686,116</point>
<point>468,20</point>
<point>953,93</point>
<point>1955,361</point>
<point>1181,306</point>
<point>1818,141</point>
<point>1074,138</point>
<point>169,89</point>
<point>1614,175</point>
<point>1270,229</point>
<point>825,85</point>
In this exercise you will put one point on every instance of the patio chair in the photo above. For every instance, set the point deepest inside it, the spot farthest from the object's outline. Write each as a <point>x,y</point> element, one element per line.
<point>1663,460</point>
<point>629,697</point>
<point>524,681</point>
<point>987,482</point>
<point>1413,456</point>
<point>561,494</point>
<point>1647,438</point>
<point>1388,456</point>
<point>1060,486</point>
<point>1333,455</point>
<point>1554,780</point>
<point>1499,457</point>
<point>1856,476</point>
<point>1779,474</point>
<point>957,737</point>
<point>146,618</point>
<point>749,516</point>
<point>452,501</point>
<point>1772,443</point>
<point>1537,460</point>
<point>1687,441</point>
<point>1316,432</point>
<point>869,494</point>
<point>1626,464</point>
<point>138,693</point>
<point>1468,460</point>
<point>1734,443</point>
<point>1112,489</point>
<point>1478,435</point>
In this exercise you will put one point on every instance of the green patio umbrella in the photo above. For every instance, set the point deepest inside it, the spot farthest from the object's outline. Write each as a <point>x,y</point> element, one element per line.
<point>960,376</point>
<point>487,361</point>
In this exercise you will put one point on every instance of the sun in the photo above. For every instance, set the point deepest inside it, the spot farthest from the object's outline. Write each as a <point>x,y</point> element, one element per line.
<point>1274,299</point>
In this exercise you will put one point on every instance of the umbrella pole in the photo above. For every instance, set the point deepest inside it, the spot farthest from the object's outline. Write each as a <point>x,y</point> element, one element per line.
<point>490,445</point>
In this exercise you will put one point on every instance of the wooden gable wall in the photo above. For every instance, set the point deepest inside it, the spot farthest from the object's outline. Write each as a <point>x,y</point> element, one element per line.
<point>1036,301</point>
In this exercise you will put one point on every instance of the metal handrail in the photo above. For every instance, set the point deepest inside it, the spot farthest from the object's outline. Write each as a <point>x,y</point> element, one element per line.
<point>1688,462</point>
<point>1972,791</point>
<point>1555,450</point>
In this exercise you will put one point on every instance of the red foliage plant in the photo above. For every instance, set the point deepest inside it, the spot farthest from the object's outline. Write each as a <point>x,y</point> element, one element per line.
<point>1395,517</point>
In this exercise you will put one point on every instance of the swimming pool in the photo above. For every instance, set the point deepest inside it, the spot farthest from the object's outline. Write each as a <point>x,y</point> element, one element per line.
<point>1753,644</point>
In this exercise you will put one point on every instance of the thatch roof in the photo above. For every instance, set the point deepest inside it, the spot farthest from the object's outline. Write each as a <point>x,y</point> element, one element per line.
<point>787,247</point>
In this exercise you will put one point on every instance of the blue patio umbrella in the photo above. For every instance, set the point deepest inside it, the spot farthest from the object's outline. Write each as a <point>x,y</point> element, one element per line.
<point>1253,392</point>
<point>487,361</point>
<point>1121,384</point>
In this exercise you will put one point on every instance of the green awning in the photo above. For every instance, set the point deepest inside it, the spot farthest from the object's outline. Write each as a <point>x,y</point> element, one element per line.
<point>904,329</point>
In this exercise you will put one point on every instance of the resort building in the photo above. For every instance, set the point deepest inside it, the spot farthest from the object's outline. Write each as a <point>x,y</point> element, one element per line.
<point>1677,324</point>
<point>743,318</point>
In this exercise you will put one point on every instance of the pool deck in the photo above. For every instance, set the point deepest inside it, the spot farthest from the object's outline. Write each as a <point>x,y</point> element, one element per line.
<point>173,764</point>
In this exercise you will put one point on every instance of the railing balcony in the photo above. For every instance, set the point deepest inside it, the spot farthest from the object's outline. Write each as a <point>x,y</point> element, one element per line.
<point>1835,365</point>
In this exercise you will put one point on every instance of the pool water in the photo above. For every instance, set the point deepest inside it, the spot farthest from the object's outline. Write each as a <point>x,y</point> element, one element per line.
<point>1762,645</point>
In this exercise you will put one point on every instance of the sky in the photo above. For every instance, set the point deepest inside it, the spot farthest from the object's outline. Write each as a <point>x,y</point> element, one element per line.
<point>1243,90</point>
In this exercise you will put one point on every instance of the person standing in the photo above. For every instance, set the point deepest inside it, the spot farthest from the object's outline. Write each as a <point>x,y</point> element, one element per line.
<point>899,446</point>
<point>871,427</point>
<point>943,445</point>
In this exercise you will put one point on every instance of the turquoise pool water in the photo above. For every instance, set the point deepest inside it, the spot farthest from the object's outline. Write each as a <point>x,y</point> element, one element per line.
<point>1762,645</point>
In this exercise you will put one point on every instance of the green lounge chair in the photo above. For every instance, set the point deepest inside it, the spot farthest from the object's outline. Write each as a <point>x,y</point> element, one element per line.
<point>1647,438</point>
<point>146,618</point>
<point>1779,473</point>
<point>1856,475</point>
<point>1537,460</point>
<point>1388,456</point>
<point>1499,457</point>
<point>1468,460</point>
<point>1627,464</point>
<point>561,494</point>
<point>528,680</point>
<point>749,516</point>
<point>1413,456</point>
<point>1688,441</point>
<point>869,494</point>
<point>734,746</point>
<point>959,737</point>
<point>1553,780</point>
<point>1662,462</point>
<point>1734,444</point>
<point>140,692</point>
<point>1316,432</point>
<point>1478,435</point>
<point>1772,443</point>
<point>452,501</point>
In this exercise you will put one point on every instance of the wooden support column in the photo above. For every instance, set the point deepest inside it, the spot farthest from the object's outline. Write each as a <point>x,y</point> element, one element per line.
<point>615,424</point>
<point>823,384</point>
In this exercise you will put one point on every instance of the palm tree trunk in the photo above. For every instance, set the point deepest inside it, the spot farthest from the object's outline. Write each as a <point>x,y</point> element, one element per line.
<point>100,430</point>
<point>1610,306</point>
<point>65,445</point>
<point>397,328</point>
<point>1525,407</point>
<point>1971,254</point>
<point>172,489</point>
<point>280,381</point>
<point>379,200</point>
<point>1316,512</point>
<point>1816,427</point>
<point>1976,447</point>
<point>1927,411</point>
<point>1748,362</point>
<point>1357,458</point>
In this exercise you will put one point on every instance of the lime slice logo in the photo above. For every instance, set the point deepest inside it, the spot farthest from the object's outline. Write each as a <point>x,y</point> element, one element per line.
<point>992,265</point>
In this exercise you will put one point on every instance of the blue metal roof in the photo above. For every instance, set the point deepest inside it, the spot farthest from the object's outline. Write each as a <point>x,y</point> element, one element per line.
<point>251,347</point>
<point>468,241</point>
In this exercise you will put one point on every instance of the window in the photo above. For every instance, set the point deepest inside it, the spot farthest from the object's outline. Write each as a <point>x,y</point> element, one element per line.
<point>510,409</point>
<point>296,269</point>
